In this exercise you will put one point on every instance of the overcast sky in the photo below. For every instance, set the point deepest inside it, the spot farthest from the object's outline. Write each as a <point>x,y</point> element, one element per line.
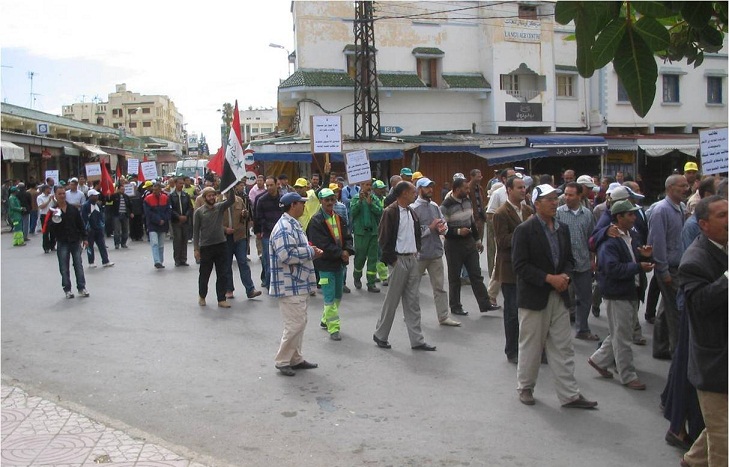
<point>199,54</point>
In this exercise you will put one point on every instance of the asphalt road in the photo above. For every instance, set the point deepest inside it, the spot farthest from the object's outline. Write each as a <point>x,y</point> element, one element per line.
<point>141,351</point>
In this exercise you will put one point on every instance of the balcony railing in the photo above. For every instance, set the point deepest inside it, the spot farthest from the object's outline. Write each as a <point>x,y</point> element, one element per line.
<point>523,94</point>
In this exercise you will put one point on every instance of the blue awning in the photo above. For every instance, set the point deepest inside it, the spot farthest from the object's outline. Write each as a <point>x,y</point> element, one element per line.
<point>494,156</point>
<point>375,155</point>
<point>282,156</point>
<point>570,145</point>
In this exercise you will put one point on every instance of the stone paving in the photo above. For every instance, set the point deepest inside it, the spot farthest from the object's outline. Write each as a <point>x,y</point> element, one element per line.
<point>37,432</point>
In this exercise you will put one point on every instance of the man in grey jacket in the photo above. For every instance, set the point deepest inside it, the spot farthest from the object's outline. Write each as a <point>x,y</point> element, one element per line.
<point>432,226</point>
<point>210,244</point>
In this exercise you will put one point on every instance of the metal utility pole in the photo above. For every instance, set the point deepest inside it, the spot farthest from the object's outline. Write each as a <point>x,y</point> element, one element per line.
<point>366,98</point>
<point>31,74</point>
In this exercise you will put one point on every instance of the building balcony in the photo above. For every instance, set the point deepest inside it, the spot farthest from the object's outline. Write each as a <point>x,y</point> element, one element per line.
<point>523,94</point>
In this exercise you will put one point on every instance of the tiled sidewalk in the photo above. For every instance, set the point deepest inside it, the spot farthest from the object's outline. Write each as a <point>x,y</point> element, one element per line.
<point>37,432</point>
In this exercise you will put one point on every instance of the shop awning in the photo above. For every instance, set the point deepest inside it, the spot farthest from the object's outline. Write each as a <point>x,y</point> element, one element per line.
<point>374,155</point>
<point>661,147</point>
<point>92,148</point>
<point>166,157</point>
<point>494,156</point>
<point>69,151</point>
<point>569,145</point>
<point>13,152</point>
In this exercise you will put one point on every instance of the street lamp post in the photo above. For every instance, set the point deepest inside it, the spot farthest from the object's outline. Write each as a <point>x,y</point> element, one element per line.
<point>288,54</point>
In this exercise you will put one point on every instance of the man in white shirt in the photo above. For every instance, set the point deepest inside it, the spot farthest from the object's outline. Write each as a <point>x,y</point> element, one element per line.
<point>74,196</point>
<point>44,200</point>
<point>399,240</point>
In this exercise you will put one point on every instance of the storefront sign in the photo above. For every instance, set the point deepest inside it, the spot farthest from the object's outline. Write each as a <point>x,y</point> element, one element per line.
<point>93,171</point>
<point>523,112</point>
<point>522,30</point>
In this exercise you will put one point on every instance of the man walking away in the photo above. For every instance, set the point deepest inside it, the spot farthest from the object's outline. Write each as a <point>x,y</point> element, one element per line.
<point>121,212</point>
<point>210,245</point>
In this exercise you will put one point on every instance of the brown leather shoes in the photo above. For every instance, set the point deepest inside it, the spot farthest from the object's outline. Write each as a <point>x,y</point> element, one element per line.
<point>635,384</point>
<point>580,403</point>
<point>604,372</point>
<point>526,397</point>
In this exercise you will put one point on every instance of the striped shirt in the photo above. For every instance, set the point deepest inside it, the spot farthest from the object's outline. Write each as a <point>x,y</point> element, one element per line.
<point>291,265</point>
<point>580,224</point>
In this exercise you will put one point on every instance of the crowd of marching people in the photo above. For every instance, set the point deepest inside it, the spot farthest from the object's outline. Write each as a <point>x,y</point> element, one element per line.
<point>555,254</point>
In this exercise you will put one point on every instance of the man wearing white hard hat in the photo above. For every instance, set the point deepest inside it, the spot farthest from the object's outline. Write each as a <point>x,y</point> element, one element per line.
<point>542,260</point>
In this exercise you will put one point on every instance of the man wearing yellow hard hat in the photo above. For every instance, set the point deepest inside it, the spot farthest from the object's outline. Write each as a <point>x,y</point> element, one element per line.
<point>312,202</point>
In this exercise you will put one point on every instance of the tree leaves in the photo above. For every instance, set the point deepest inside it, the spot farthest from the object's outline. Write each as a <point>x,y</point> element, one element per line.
<point>636,67</point>
<point>631,34</point>
<point>654,33</point>
<point>607,43</point>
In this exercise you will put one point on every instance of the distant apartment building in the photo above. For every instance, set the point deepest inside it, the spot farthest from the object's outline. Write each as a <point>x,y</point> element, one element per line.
<point>257,122</point>
<point>134,113</point>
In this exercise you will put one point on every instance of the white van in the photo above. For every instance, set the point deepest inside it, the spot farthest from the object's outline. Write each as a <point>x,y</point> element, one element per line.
<point>192,167</point>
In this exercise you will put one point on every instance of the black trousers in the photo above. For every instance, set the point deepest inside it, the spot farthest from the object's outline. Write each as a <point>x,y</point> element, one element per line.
<point>49,238</point>
<point>179,241</point>
<point>213,255</point>
<point>463,253</point>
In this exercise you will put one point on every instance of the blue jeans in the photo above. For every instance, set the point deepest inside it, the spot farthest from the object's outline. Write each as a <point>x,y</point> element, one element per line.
<point>65,251</point>
<point>97,236</point>
<point>265,271</point>
<point>33,221</point>
<point>121,229</point>
<point>239,249</point>
<point>26,225</point>
<point>157,241</point>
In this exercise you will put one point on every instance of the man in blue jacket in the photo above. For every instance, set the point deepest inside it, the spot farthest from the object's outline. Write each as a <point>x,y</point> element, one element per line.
<point>622,266</point>
<point>157,214</point>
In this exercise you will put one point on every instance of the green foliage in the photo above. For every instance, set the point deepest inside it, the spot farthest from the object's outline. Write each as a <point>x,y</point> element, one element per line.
<point>631,34</point>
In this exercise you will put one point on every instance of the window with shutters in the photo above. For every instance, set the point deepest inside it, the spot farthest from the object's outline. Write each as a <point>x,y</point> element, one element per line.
<point>428,71</point>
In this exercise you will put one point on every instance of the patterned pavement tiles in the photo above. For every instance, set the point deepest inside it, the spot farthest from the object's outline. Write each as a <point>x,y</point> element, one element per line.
<point>37,432</point>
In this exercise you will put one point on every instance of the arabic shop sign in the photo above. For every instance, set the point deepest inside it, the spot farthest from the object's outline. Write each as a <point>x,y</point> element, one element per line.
<point>566,151</point>
<point>523,112</point>
<point>522,30</point>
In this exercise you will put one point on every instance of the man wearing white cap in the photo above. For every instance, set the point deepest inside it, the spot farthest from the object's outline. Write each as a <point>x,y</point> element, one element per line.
<point>542,260</point>
<point>432,226</point>
<point>75,196</point>
<point>93,216</point>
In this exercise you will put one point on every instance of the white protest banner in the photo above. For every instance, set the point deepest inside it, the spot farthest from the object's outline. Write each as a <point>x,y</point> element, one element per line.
<point>149,170</point>
<point>358,166</point>
<point>714,152</point>
<point>93,171</point>
<point>326,133</point>
<point>52,174</point>
<point>129,189</point>
<point>132,166</point>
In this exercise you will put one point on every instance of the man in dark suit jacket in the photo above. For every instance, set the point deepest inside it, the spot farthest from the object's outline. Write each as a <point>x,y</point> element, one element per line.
<point>542,258</point>
<point>703,279</point>
<point>506,219</point>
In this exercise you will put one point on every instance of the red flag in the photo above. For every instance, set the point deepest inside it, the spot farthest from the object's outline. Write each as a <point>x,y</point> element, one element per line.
<point>140,175</point>
<point>118,171</point>
<point>216,162</point>
<point>107,184</point>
